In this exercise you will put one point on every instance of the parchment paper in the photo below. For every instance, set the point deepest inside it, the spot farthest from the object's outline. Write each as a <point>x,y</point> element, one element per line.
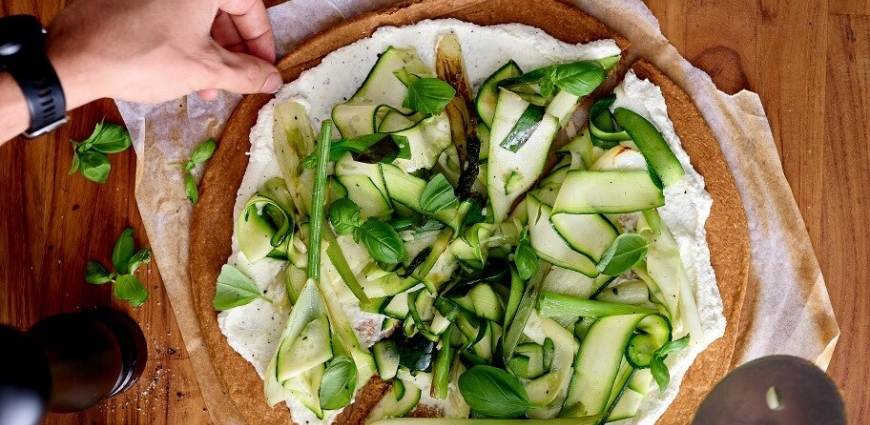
<point>787,308</point>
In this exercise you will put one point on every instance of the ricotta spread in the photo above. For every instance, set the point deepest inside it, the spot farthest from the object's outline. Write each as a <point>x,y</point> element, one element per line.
<point>253,330</point>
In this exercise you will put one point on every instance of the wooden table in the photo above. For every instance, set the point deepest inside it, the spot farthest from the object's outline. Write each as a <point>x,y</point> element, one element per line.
<point>809,61</point>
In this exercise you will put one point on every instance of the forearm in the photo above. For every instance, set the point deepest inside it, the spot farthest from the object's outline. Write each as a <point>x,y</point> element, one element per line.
<point>14,116</point>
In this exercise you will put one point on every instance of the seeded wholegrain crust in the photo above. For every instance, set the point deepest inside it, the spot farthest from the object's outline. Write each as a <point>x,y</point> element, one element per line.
<point>212,226</point>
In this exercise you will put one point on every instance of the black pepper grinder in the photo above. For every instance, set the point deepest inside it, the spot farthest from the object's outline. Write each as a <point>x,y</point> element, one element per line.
<point>67,363</point>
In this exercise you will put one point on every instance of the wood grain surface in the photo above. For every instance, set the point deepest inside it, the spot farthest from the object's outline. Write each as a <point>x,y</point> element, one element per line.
<point>809,61</point>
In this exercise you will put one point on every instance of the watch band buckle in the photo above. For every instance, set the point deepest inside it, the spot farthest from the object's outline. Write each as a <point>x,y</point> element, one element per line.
<point>45,129</point>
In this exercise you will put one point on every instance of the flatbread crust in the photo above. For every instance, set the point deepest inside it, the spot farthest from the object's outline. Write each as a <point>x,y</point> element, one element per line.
<point>212,225</point>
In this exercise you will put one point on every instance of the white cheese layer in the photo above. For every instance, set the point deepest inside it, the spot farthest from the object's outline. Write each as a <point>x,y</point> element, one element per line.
<point>253,330</point>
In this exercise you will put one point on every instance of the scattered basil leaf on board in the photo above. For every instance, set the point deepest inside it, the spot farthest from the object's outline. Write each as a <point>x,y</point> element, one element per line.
<point>125,261</point>
<point>94,166</point>
<point>90,156</point>
<point>97,274</point>
<point>130,289</point>
<point>381,241</point>
<point>338,383</point>
<point>429,95</point>
<point>657,365</point>
<point>438,195</point>
<point>200,154</point>
<point>143,256</point>
<point>123,251</point>
<point>625,251</point>
<point>493,392</point>
<point>344,214</point>
<point>234,289</point>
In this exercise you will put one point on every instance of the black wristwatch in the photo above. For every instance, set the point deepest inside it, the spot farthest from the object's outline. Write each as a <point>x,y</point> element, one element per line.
<point>22,54</point>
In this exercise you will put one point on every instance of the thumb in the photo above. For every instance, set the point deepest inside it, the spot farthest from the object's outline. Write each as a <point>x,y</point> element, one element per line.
<point>243,73</point>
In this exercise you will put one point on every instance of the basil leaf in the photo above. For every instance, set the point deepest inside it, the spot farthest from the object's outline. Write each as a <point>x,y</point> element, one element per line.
<point>97,274</point>
<point>203,152</point>
<point>626,251</point>
<point>190,188</point>
<point>131,289</point>
<point>76,162</point>
<point>338,383</point>
<point>437,195</point>
<point>429,95</point>
<point>525,258</point>
<point>579,78</point>
<point>111,138</point>
<point>344,214</point>
<point>493,392</point>
<point>657,365</point>
<point>139,258</point>
<point>381,241</point>
<point>536,76</point>
<point>234,289</point>
<point>94,166</point>
<point>475,214</point>
<point>123,251</point>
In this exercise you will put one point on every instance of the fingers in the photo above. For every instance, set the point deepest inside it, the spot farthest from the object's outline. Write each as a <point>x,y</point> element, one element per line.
<point>252,25</point>
<point>224,31</point>
<point>242,73</point>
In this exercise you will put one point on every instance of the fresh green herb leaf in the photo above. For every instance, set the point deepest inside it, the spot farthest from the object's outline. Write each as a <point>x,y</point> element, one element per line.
<point>525,258</point>
<point>338,383</point>
<point>203,152</point>
<point>89,156</point>
<point>344,214</point>
<point>536,76</point>
<point>76,162</point>
<point>94,166</point>
<point>657,365</point>
<point>474,215</point>
<point>190,189</point>
<point>97,274</point>
<point>382,241</point>
<point>125,262</point>
<point>429,95</point>
<point>123,251</point>
<point>200,154</point>
<point>494,392</point>
<point>626,251</point>
<point>129,288</point>
<point>579,78</point>
<point>110,138</point>
<point>234,289</point>
<point>139,258</point>
<point>437,195</point>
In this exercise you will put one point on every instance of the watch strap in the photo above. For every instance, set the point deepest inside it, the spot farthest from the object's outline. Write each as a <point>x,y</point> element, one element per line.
<point>26,61</point>
<point>44,94</point>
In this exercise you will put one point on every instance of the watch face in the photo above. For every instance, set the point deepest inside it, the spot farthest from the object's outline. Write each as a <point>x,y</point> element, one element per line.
<point>16,31</point>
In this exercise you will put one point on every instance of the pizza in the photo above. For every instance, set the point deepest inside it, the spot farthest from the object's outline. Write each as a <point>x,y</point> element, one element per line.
<point>383,180</point>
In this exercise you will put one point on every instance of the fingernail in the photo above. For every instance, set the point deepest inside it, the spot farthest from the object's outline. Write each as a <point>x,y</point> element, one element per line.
<point>273,83</point>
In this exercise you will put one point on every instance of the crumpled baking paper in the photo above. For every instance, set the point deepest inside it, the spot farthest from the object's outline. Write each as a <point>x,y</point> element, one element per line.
<point>787,309</point>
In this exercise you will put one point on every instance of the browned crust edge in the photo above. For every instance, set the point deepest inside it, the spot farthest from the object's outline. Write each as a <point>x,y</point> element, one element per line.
<point>212,224</point>
<point>727,237</point>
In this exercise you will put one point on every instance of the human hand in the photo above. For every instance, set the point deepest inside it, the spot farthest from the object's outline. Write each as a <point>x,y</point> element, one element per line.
<point>157,50</point>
